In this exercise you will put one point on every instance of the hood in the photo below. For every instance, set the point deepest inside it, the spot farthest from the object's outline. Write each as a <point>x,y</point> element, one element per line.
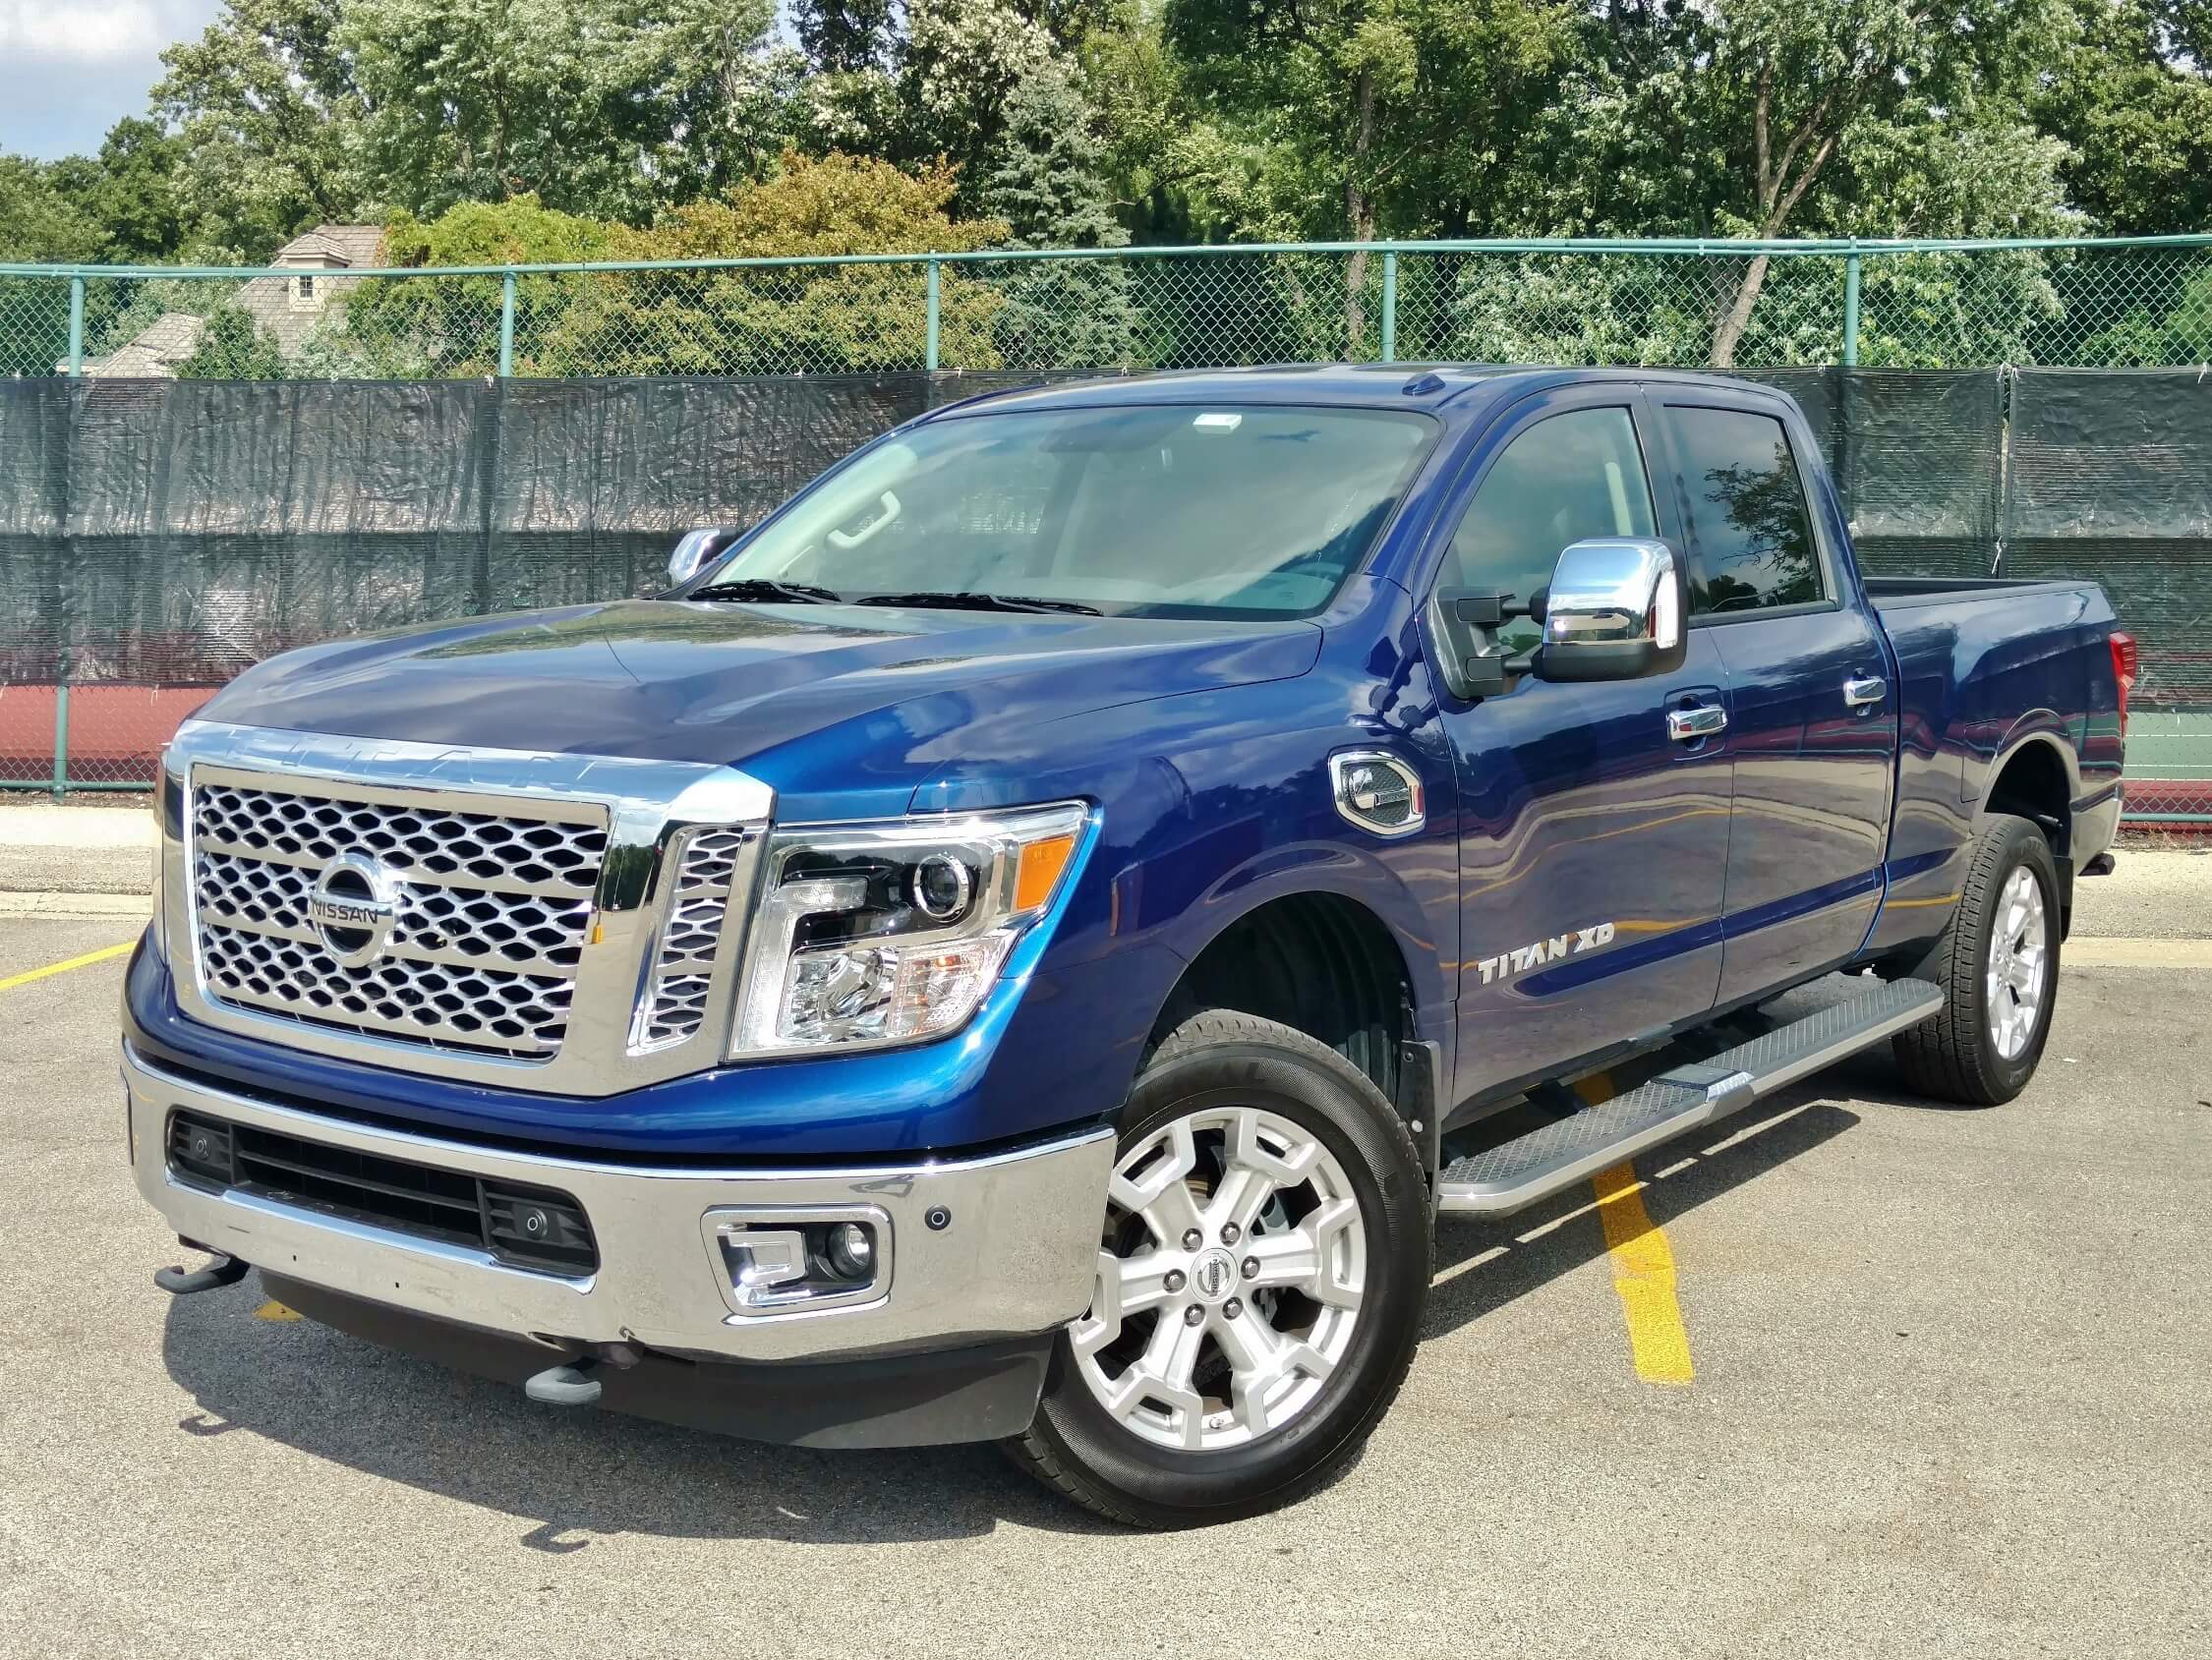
<point>726,683</point>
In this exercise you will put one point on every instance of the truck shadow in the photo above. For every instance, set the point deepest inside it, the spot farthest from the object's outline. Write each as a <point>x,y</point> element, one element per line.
<point>1484,1265</point>
<point>569,1477</point>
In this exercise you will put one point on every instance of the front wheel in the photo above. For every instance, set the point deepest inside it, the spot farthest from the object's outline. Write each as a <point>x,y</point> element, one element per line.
<point>1998,963</point>
<point>1262,1263</point>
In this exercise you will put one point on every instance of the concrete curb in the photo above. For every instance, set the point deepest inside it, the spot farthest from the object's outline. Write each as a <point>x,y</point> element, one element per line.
<point>79,905</point>
<point>52,851</point>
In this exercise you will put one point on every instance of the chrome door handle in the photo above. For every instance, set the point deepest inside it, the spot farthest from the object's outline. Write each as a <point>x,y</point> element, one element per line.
<point>1863,689</point>
<point>1687,725</point>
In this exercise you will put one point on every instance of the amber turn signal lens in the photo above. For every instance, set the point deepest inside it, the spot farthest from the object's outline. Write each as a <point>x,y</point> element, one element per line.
<point>1039,871</point>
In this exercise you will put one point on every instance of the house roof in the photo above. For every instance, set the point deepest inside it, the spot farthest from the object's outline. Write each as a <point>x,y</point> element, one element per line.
<point>313,246</point>
<point>268,300</point>
<point>157,349</point>
<point>152,352</point>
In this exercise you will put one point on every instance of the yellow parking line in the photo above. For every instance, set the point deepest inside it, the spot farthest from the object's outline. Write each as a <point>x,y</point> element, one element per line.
<point>274,1310</point>
<point>15,980</point>
<point>1644,1275</point>
<point>1642,1266</point>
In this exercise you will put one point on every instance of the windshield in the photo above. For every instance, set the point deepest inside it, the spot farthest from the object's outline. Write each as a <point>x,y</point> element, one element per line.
<point>1251,511</point>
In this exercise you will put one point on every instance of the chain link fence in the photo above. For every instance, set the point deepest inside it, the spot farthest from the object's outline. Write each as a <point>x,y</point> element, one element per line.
<point>2121,304</point>
<point>96,675</point>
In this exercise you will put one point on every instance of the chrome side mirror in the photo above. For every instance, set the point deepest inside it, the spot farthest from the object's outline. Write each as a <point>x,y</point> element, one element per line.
<point>1614,611</point>
<point>694,551</point>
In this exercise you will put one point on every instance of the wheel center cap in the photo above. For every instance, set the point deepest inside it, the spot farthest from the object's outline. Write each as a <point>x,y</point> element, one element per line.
<point>1213,1274</point>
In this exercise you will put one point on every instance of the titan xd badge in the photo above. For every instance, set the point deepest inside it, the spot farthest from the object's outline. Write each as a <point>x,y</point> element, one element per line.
<point>1570,943</point>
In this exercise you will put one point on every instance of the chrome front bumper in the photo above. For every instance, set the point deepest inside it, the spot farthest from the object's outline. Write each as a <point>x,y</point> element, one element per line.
<point>1015,1253</point>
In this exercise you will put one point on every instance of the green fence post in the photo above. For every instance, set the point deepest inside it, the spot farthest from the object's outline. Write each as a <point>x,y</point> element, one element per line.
<point>61,739</point>
<point>507,324</point>
<point>929,345</point>
<point>77,325</point>
<point>1390,306</point>
<point>1850,311</point>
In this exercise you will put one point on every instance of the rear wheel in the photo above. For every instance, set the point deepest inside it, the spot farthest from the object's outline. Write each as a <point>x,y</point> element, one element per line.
<point>1262,1262</point>
<point>1998,963</point>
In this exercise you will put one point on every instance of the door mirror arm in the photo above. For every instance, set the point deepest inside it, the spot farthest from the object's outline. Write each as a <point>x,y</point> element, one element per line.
<point>1464,622</point>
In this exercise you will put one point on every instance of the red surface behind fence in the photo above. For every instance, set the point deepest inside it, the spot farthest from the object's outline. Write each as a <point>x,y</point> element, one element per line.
<point>115,732</point>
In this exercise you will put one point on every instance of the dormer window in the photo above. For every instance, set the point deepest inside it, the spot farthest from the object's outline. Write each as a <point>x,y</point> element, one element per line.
<point>303,293</point>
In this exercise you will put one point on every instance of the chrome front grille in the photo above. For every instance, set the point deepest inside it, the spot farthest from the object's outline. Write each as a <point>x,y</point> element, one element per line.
<point>571,923</point>
<point>675,1003</point>
<point>493,912</point>
<point>301,826</point>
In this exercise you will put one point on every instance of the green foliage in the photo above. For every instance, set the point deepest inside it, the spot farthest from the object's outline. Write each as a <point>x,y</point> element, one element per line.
<point>2132,96</point>
<point>492,132</point>
<point>596,106</point>
<point>268,116</point>
<point>412,328</point>
<point>2182,334</point>
<point>231,347</point>
<point>841,318</point>
<point>1047,183</point>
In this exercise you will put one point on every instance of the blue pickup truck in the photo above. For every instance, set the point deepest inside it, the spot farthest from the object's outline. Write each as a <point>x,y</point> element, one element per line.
<point>1023,942</point>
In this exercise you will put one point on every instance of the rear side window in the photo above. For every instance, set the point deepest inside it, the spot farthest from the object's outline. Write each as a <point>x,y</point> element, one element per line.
<point>1751,535</point>
<point>1567,477</point>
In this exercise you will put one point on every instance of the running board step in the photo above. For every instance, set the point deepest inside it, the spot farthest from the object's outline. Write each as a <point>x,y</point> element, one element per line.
<point>1508,1177</point>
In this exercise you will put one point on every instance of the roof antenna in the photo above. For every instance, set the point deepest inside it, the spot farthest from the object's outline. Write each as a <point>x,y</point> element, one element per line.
<point>1428,381</point>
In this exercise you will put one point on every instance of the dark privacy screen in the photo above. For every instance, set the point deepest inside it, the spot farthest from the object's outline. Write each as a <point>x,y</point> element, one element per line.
<point>167,533</point>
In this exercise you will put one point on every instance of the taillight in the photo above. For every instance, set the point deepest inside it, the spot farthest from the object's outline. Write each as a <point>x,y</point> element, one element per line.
<point>2124,663</point>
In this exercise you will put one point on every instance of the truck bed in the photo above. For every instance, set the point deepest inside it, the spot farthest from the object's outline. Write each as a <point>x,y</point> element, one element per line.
<point>1901,593</point>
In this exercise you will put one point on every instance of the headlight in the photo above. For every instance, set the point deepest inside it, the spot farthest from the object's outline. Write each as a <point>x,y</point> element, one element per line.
<point>873,935</point>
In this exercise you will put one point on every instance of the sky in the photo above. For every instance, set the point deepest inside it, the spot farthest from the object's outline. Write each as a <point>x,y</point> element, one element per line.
<point>71,69</point>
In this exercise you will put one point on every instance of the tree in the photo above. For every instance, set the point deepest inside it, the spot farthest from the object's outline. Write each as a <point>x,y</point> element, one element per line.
<point>961,59</point>
<point>755,321</point>
<point>604,107</point>
<point>1048,186</point>
<point>265,110</point>
<point>130,194</point>
<point>1764,118</point>
<point>2131,99</point>
<point>1359,118</point>
<point>232,347</point>
<point>414,327</point>
<point>40,224</point>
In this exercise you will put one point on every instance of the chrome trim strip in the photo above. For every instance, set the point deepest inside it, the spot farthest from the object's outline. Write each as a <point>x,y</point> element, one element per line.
<point>1017,1255</point>
<point>647,806</point>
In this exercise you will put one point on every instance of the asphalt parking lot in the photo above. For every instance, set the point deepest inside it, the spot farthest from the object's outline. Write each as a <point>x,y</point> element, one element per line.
<point>1949,1374</point>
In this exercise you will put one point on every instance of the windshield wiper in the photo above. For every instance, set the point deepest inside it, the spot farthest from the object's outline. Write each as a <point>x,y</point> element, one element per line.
<point>963,602</point>
<point>763,589</point>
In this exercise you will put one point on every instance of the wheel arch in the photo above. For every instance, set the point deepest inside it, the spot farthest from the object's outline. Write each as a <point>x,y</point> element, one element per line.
<point>1322,959</point>
<point>2035,775</point>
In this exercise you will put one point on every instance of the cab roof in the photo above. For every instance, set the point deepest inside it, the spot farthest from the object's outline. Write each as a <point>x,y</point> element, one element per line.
<point>1429,386</point>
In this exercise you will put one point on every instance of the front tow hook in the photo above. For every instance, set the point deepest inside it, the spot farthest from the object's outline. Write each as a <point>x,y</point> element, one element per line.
<point>224,1269</point>
<point>575,1383</point>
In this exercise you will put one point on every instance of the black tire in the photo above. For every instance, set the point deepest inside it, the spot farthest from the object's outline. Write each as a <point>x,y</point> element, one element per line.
<point>1213,1058</point>
<point>1953,1056</point>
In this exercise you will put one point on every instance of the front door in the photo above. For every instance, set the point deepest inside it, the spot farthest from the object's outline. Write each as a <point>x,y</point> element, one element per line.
<point>1591,844</point>
<point>1812,717</point>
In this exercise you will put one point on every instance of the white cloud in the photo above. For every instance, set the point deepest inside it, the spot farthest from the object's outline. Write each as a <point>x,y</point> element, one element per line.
<point>69,68</point>
<point>82,32</point>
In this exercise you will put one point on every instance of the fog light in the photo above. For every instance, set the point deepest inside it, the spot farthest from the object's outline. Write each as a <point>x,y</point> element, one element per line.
<point>853,1250</point>
<point>781,1259</point>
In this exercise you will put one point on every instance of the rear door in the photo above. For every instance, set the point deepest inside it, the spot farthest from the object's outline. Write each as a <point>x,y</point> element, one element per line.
<point>1592,843</point>
<point>1812,717</point>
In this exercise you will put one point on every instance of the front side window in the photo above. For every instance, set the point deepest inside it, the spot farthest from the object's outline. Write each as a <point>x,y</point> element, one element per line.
<point>1191,510</point>
<point>1751,535</point>
<point>1564,480</point>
